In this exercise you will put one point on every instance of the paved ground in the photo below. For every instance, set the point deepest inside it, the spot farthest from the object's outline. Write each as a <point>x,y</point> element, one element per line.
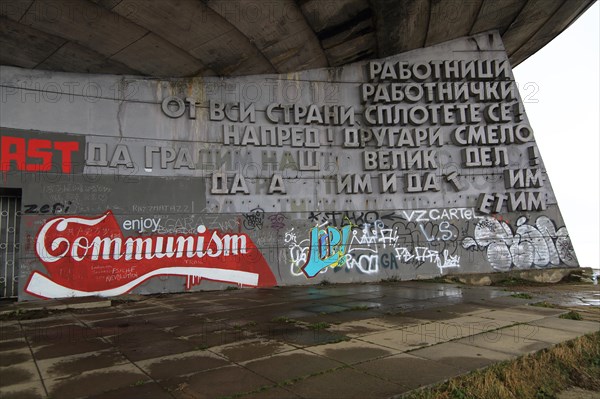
<point>338,341</point>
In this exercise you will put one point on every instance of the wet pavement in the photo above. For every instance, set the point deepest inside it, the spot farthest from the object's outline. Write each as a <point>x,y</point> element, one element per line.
<point>334,341</point>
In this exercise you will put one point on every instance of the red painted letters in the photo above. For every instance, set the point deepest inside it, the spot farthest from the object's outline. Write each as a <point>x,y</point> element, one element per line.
<point>90,256</point>
<point>36,155</point>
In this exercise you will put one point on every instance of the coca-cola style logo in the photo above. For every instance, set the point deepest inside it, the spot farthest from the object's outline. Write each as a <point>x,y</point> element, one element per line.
<point>90,256</point>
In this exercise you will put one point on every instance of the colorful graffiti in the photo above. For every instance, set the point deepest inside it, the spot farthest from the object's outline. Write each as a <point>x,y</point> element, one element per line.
<point>327,249</point>
<point>362,249</point>
<point>90,256</point>
<point>540,246</point>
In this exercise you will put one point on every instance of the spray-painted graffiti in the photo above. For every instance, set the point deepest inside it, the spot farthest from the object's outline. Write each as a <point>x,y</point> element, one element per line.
<point>368,246</point>
<point>56,208</point>
<point>277,221</point>
<point>421,255</point>
<point>541,245</point>
<point>298,252</point>
<point>90,256</point>
<point>328,248</point>
<point>254,219</point>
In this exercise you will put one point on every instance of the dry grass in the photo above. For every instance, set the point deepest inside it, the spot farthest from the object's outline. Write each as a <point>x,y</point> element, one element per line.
<point>540,375</point>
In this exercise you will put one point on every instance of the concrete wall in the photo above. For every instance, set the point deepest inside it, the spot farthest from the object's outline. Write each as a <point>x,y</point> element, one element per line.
<point>415,166</point>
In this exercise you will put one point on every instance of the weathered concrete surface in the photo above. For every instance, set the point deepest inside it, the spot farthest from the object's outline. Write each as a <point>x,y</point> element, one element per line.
<point>192,38</point>
<point>55,304</point>
<point>534,275</point>
<point>374,171</point>
<point>578,393</point>
<point>248,343</point>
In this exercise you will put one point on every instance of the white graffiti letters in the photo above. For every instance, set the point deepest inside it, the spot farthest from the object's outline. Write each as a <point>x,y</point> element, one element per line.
<point>540,246</point>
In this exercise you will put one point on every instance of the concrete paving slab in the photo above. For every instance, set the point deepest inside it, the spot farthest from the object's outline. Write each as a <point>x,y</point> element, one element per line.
<point>504,301</point>
<point>137,390</point>
<point>290,365</point>
<point>97,315</point>
<point>121,323</point>
<point>512,314</point>
<point>325,309</point>
<point>172,319</point>
<point>85,302</point>
<point>273,393</point>
<point>216,338</point>
<point>352,352</point>
<point>552,335</point>
<point>181,364</point>
<point>424,293</point>
<point>64,333</point>
<point>299,336</point>
<point>251,349</point>
<point>9,323</point>
<point>12,344</point>
<point>10,330</point>
<point>430,314</point>
<point>67,348</point>
<point>391,339</point>
<point>198,325</point>
<point>226,381</point>
<point>580,326</point>
<point>336,385</point>
<point>394,322</point>
<point>49,321</point>
<point>466,309</point>
<point>462,356</point>
<point>420,335</point>
<point>409,371</point>
<point>149,343</point>
<point>477,324</point>
<point>359,328</point>
<point>18,374</point>
<point>168,337</point>
<point>548,312</point>
<point>516,340</point>
<point>14,357</point>
<point>449,330</point>
<point>31,390</point>
<point>68,366</point>
<point>578,393</point>
<point>57,304</point>
<point>96,382</point>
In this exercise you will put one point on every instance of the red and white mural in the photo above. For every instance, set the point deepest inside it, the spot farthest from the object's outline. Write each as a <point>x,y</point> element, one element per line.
<point>90,256</point>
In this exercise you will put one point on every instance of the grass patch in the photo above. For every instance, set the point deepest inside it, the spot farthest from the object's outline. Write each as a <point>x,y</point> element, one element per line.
<point>341,338</point>
<point>319,326</point>
<point>361,307</point>
<point>571,315</point>
<point>284,320</point>
<point>232,288</point>
<point>522,295</point>
<point>539,375</point>
<point>515,281</point>
<point>241,327</point>
<point>544,304</point>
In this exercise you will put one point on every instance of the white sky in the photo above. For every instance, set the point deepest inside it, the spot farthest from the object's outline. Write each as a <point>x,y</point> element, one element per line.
<point>564,114</point>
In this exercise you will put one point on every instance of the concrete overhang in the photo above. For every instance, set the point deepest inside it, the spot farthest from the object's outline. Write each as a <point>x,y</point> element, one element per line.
<point>185,38</point>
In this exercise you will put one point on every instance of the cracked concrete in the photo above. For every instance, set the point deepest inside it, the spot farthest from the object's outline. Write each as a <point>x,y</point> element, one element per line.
<point>367,341</point>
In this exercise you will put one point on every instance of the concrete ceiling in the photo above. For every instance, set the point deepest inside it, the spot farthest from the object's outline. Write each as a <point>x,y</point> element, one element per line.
<point>178,38</point>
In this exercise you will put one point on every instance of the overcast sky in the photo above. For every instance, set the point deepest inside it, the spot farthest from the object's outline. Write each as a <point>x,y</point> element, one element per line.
<point>562,106</point>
